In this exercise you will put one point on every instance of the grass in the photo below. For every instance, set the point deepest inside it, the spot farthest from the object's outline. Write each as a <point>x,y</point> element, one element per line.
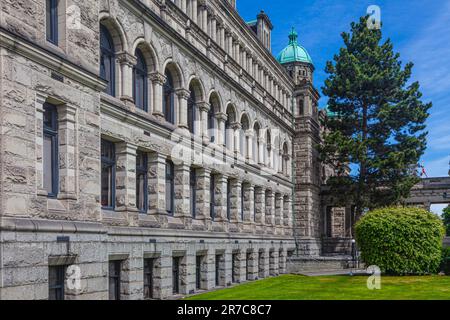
<point>296,287</point>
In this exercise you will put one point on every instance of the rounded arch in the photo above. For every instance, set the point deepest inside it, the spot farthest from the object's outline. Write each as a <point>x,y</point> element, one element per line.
<point>245,121</point>
<point>116,31</point>
<point>197,88</point>
<point>231,113</point>
<point>215,101</point>
<point>148,53</point>
<point>173,70</point>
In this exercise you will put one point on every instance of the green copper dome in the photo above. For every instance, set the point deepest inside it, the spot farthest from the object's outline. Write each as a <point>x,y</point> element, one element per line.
<point>294,52</point>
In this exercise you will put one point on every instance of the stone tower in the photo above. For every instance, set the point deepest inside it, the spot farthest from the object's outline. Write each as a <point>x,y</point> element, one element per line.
<point>299,65</point>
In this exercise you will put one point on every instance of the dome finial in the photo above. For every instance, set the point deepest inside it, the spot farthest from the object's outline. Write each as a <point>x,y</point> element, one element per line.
<point>293,36</point>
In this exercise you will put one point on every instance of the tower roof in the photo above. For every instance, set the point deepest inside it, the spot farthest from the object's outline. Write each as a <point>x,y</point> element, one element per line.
<point>294,52</point>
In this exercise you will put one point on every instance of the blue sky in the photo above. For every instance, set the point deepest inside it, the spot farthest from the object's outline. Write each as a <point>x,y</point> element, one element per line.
<point>420,31</point>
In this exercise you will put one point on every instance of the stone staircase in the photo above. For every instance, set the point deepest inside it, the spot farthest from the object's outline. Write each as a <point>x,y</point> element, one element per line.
<point>338,264</point>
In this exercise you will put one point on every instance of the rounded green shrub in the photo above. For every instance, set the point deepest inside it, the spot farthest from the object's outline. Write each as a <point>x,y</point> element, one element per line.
<point>401,240</point>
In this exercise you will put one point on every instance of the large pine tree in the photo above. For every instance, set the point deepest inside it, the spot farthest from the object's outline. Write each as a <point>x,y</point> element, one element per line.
<point>379,119</point>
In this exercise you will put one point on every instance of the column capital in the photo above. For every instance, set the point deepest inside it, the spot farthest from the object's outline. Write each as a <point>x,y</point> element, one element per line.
<point>221,116</point>
<point>126,58</point>
<point>157,77</point>
<point>236,126</point>
<point>203,106</point>
<point>183,93</point>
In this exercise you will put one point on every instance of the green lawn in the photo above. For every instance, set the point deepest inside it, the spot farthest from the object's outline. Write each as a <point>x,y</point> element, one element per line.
<point>295,287</point>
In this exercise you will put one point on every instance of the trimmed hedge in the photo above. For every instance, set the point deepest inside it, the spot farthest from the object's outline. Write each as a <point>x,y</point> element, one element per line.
<point>401,240</point>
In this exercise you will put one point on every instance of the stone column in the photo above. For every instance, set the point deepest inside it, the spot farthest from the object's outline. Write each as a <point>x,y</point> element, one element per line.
<point>260,205</point>
<point>181,111</point>
<point>213,28</point>
<point>194,10</point>
<point>221,118</point>
<point>183,4</point>
<point>182,191</point>
<point>273,263</point>
<point>270,208</point>
<point>203,108</point>
<point>249,202</point>
<point>235,211</point>
<point>158,80</point>
<point>236,137</point>
<point>249,144</point>
<point>126,180</point>
<point>260,151</point>
<point>278,209</point>
<point>221,198</point>
<point>157,184</point>
<point>205,18</point>
<point>126,61</point>
<point>287,217</point>
<point>67,152</point>
<point>203,196</point>
<point>230,44</point>
<point>222,37</point>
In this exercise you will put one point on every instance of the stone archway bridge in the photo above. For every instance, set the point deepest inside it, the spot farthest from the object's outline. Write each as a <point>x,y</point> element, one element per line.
<point>430,191</point>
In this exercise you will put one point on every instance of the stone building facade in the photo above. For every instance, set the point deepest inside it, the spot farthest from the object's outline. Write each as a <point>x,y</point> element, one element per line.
<point>150,149</point>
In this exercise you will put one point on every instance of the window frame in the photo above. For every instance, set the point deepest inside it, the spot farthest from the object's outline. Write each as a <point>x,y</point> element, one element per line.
<point>111,53</point>
<point>170,178</point>
<point>212,197</point>
<point>191,111</point>
<point>52,133</point>
<point>242,201</point>
<point>116,278</point>
<point>59,287</point>
<point>52,21</point>
<point>228,200</point>
<point>169,93</point>
<point>149,272</point>
<point>140,70</point>
<point>193,191</point>
<point>105,161</point>
<point>142,170</point>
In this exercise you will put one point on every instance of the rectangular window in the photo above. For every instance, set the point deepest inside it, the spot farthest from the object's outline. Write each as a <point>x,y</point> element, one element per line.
<point>108,158</point>
<point>254,205</point>
<point>52,21</point>
<point>148,278</point>
<point>193,191</point>
<point>50,150</point>
<point>169,187</point>
<point>114,279</point>
<point>218,257</point>
<point>176,275</point>
<point>56,279</point>
<point>329,222</point>
<point>198,272</point>
<point>141,182</point>
<point>212,197</point>
<point>228,199</point>
<point>242,201</point>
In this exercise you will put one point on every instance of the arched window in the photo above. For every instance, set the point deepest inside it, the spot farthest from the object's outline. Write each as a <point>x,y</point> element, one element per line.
<point>229,131</point>
<point>169,187</point>
<point>269,149</point>
<point>256,143</point>
<point>140,82</point>
<point>169,98</point>
<point>243,138</point>
<point>191,109</point>
<point>107,60</point>
<point>285,159</point>
<point>211,123</point>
